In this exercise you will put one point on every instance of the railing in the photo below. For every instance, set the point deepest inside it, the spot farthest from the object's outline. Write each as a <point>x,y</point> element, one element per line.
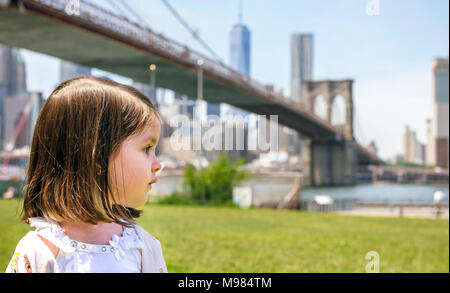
<point>101,17</point>
<point>404,209</point>
<point>337,205</point>
<point>406,170</point>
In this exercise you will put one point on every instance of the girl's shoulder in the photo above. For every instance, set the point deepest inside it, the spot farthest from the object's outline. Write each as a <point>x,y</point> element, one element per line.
<point>152,257</point>
<point>144,233</point>
<point>31,255</point>
<point>147,238</point>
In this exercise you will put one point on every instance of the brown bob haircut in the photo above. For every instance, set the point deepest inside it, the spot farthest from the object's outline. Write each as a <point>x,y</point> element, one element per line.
<point>78,131</point>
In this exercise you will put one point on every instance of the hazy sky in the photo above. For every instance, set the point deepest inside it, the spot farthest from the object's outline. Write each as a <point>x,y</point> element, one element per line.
<point>388,55</point>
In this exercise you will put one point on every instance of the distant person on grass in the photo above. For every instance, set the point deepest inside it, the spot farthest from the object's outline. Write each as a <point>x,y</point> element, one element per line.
<point>92,164</point>
<point>437,198</point>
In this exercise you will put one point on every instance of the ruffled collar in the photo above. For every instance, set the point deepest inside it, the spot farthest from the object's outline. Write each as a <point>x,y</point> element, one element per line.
<point>118,245</point>
<point>42,223</point>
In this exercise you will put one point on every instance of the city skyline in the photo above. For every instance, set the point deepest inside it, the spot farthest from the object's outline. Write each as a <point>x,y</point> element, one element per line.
<point>390,67</point>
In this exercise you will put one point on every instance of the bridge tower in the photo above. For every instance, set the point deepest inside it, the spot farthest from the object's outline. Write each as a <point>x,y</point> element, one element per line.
<point>330,160</point>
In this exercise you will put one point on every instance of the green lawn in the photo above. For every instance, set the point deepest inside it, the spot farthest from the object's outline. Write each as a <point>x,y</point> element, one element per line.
<point>211,239</point>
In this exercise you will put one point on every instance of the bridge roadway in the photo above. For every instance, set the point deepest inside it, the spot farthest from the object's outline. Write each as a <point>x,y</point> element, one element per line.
<point>102,40</point>
<point>98,38</point>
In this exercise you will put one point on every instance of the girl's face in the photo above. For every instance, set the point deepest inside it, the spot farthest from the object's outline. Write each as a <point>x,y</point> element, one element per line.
<point>134,169</point>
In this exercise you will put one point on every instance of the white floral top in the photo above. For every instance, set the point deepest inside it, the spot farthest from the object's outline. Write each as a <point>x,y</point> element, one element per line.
<point>122,255</point>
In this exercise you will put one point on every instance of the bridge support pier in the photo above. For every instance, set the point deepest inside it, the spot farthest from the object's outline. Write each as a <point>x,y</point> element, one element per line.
<point>329,163</point>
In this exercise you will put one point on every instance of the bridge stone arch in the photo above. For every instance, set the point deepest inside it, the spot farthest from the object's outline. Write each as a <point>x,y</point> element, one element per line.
<point>338,111</point>
<point>329,90</point>
<point>319,107</point>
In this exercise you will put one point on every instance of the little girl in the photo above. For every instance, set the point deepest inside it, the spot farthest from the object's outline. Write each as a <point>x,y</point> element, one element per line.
<point>92,162</point>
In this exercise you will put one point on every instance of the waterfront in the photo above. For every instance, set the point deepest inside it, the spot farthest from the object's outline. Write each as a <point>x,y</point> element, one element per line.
<point>381,193</point>
<point>279,187</point>
<point>268,190</point>
<point>386,200</point>
<point>272,188</point>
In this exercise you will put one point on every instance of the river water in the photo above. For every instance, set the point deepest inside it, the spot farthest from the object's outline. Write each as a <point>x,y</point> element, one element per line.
<point>381,193</point>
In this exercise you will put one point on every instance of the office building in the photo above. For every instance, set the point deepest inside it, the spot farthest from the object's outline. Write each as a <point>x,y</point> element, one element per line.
<point>437,151</point>
<point>413,150</point>
<point>12,80</point>
<point>239,61</point>
<point>70,70</point>
<point>14,105</point>
<point>301,63</point>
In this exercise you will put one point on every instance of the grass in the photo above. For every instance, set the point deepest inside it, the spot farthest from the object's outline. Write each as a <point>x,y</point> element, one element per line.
<point>226,239</point>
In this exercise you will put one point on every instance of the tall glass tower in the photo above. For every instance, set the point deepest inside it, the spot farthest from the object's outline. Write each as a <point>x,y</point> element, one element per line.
<point>240,47</point>
<point>239,59</point>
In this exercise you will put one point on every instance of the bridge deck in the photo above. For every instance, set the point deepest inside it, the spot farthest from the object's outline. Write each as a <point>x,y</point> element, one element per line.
<point>51,31</point>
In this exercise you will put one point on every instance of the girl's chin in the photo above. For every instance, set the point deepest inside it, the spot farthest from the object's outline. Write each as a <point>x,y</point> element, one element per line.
<point>139,203</point>
<point>145,197</point>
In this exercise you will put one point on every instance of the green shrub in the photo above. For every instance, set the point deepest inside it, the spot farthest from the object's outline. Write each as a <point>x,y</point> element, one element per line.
<point>212,185</point>
<point>176,198</point>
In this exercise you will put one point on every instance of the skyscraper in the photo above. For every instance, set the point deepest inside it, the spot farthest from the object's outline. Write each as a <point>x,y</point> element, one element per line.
<point>12,80</point>
<point>20,83</point>
<point>239,59</point>
<point>438,130</point>
<point>186,104</point>
<point>12,71</point>
<point>213,109</point>
<point>412,148</point>
<point>301,63</point>
<point>70,70</point>
<point>14,106</point>
<point>147,90</point>
<point>240,47</point>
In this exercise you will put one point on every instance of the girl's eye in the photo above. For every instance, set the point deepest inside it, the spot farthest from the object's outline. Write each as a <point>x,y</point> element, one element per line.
<point>147,148</point>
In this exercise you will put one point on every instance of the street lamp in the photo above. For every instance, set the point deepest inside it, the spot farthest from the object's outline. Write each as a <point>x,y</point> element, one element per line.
<point>152,68</point>
<point>200,79</point>
<point>152,75</point>
<point>200,98</point>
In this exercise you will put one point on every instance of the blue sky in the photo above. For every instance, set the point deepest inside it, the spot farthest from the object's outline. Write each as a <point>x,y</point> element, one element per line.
<point>388,56</point>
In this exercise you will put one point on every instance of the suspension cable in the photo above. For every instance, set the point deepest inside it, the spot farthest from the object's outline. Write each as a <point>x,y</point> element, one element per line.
<point>117,8</point>
<point>193,33</point>
<point>134,13</point>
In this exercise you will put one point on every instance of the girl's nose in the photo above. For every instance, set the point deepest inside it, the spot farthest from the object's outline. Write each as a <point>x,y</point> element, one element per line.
<point>156,166</point>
